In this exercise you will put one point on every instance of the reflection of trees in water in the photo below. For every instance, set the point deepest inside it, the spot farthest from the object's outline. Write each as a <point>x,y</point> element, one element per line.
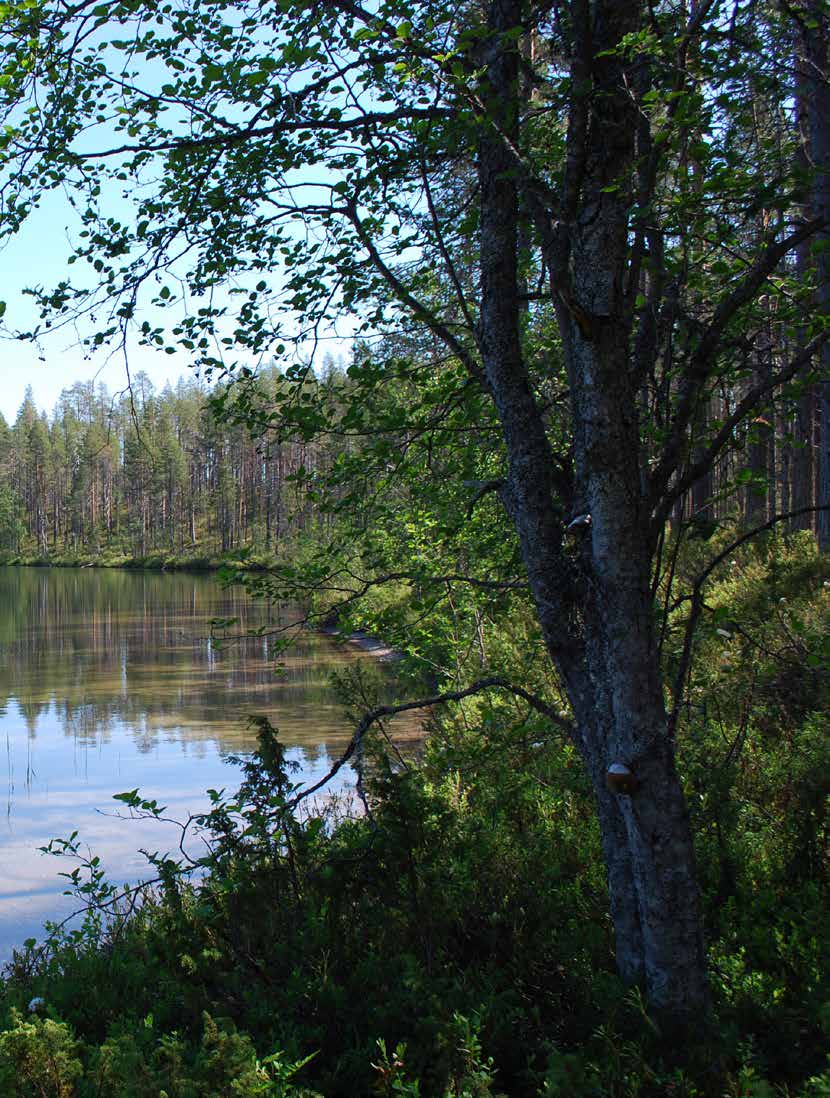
<point>31,711</point>
<point>316,756</point>
<point>112,648</point>
<point>86,724</point>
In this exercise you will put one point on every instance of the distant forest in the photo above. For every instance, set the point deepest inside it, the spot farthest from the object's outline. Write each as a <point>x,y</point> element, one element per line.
<point>146,471</point>
<point>151,471</point>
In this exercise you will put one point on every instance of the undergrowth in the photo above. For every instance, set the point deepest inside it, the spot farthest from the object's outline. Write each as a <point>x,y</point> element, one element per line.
<point>455,941</point>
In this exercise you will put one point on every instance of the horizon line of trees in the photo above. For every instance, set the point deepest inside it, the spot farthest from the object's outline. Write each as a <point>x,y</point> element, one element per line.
<point>149,471</point>
<point>157,471</point>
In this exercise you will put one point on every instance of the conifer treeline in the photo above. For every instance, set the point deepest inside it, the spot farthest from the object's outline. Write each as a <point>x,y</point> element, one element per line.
<point>156,472</point>
<point>149,473</point>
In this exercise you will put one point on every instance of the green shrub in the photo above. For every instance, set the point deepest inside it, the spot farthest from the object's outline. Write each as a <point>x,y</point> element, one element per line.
<point>38,1059</point>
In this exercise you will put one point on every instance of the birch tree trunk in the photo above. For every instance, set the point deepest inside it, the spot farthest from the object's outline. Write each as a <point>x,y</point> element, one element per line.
<point>608,661</point>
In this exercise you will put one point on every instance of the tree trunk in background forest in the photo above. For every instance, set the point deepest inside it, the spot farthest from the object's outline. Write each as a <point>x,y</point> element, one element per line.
<point>802,450</point>
<point>759,498</point>
<point>815,80</point>
<point>699,503</point>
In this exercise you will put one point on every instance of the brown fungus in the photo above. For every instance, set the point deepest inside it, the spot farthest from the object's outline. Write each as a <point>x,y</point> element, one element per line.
<point>620,779</point>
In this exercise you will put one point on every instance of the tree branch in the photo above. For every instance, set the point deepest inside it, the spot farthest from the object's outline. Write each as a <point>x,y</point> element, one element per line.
<point>239,137</point>
<point>380,711</point>
<point>416,307</point>
<point>696,599</point>
<point>727,430</point>
<point>698,368</point>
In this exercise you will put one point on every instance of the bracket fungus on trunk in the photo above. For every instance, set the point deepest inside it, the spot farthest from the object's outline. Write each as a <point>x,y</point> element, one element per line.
<point>621,779</point>
<point>579,524</point>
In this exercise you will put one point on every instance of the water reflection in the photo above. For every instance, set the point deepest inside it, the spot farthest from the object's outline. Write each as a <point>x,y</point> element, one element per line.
<point>110,680</point>
<point>108,647</point>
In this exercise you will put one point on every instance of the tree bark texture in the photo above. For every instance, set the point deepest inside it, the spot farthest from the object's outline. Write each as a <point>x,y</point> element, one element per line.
<point>592,593</point>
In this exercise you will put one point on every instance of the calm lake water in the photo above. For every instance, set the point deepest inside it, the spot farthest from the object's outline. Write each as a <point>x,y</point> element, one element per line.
<point>110,680</point>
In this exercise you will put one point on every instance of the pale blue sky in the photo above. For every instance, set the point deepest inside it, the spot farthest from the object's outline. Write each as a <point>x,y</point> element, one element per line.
<point>21,368</point>
<point>38,256</point>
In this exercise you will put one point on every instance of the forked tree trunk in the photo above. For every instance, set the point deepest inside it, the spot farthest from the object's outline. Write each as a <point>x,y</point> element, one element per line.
<point>596,615</point>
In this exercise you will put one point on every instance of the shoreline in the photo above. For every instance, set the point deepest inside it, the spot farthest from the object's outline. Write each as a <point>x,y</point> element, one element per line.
<point>372,646</point>
<point>153,562</point>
